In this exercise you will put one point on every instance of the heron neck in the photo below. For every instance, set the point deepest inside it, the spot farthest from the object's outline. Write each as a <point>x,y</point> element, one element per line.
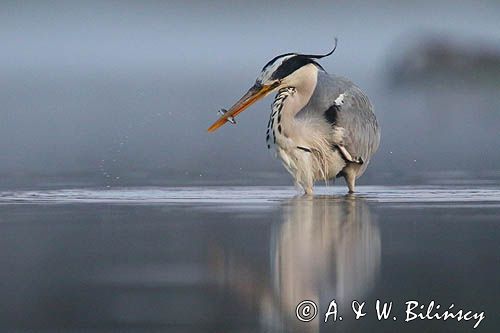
<point>303,82</point>
<point>282,125</point>
<point>299,96</point>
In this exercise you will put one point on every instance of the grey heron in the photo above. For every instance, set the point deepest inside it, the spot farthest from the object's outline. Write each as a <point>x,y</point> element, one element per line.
<point>322,126</point>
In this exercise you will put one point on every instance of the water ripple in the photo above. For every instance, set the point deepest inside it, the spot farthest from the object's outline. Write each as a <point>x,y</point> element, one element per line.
<point>249,195</point>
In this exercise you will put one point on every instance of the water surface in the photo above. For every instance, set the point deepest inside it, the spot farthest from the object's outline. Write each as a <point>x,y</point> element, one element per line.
<point>240,259</point>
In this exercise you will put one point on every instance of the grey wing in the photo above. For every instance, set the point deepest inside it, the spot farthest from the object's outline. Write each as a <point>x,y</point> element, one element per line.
<point>348,111</point>
<point>361,131</point>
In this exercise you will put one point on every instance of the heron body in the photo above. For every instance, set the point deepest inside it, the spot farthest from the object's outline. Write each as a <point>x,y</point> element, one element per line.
<point>321,126</point>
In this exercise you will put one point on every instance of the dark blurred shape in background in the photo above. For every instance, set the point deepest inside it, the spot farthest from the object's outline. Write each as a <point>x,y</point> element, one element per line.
<point>426,60</point>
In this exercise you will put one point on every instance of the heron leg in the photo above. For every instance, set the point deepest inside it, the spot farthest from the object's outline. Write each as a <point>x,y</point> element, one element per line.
<point>308,191</point>
<point>350,179</point>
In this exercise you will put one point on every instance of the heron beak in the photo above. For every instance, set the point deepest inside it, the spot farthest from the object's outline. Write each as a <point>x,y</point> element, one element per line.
<point>253,94</point>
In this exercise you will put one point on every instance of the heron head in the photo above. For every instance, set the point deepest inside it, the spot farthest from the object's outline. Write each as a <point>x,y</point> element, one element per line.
<point>281,71</point>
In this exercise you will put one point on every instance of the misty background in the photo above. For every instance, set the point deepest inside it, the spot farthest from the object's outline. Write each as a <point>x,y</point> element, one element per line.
<point>121,92</point>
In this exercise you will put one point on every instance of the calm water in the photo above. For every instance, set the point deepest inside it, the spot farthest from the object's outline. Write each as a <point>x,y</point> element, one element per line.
<point>240,259</point>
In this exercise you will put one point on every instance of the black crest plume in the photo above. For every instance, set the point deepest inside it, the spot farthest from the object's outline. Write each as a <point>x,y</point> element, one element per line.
<point>310,56</point>
<point>319,56</point>
<point>297,61</point>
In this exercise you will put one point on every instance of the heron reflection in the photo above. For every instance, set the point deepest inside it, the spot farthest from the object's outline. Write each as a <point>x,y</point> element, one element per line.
<point>323,248</point>
<point>326,248</point>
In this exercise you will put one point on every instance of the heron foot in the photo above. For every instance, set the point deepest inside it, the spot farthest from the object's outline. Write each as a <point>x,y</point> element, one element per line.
<point>348,157</point>
<point>358,160</point>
